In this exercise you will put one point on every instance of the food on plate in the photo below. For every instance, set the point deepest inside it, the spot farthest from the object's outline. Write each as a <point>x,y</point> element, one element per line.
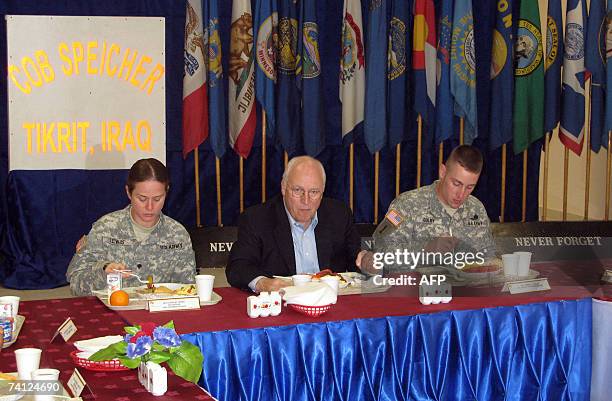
<point>5,376</point>
<point>189,289</point>
<point>150,281</point>
<point>327,273</point>
<point>119,298</point>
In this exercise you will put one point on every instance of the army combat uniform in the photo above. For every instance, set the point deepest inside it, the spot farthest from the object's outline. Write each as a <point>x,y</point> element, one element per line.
<point>166,253</point>
<point>417,217</point>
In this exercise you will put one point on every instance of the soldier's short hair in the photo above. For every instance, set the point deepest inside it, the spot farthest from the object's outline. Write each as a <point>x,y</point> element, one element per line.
<point>468,157</point>
<point>147,170</point>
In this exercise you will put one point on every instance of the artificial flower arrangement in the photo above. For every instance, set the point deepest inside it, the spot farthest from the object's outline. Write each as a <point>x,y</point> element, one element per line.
<point>146,342</point>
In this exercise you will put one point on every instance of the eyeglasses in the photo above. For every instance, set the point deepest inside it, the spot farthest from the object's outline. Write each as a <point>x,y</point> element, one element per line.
<point>313,194</point>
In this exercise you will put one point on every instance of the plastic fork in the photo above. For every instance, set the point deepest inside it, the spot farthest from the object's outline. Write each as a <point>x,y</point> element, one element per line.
<point>129,273</point>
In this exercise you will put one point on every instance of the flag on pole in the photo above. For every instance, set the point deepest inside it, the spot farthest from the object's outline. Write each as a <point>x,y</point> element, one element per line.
<point>288,102</point>
<point>265,31</point>
<point>595,61</point>
<point>463,68</point>
<point>195,102</point>
<point>552,66</point>
<point>444,101</point>
<point>424,60</point>
<point>608,72</point>
<point>528,113</point>
<point>571,133</point>
<point>241,79</point>
<point>502,77</point>
<point>214,67</point>
<point>398,62</point>
<point>375,125</point>
<point>308,74</point>
<point>352,67</point>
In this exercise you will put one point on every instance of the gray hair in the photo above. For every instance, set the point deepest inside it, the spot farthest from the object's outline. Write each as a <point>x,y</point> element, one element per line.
<point>299,160</point>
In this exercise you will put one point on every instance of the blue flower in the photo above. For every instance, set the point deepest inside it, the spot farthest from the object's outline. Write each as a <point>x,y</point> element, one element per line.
<point>142,346</point>
<point>166,336</point>
<point>127,338</point>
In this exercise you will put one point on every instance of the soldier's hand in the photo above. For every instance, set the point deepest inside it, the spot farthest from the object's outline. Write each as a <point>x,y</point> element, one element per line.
<point>114,267</point>
<point>271,284</point>
<point>442,244</point>
<point>81,243</point>
<point>365,262</point>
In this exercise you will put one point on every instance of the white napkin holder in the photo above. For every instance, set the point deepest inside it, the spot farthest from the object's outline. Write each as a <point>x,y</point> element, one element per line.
<point>153,377</point>
<point>263,305</point>
<point>435,293</point>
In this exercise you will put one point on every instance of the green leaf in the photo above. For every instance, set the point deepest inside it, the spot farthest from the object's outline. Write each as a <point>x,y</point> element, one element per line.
<point>130,363</point>
<point>131,329</point>
<point>169,325</point>
<point>186,362</point>
<point>157,347</point>
<point>159,357</point>
<point>111,352</point>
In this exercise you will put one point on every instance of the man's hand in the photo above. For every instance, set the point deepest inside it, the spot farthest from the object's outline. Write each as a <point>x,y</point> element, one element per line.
<point>271,284</point>
<point>442,244</point>
<point>365,262</point>
<point>114,267</point>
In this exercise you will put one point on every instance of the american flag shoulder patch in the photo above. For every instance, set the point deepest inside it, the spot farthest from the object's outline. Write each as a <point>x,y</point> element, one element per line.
<point>394,217</point>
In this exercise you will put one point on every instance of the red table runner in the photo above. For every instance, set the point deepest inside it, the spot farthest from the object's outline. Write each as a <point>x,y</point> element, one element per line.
<point>92,319</point>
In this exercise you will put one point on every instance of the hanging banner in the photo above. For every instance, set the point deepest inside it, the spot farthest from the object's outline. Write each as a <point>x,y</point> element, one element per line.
<point>85,92</point>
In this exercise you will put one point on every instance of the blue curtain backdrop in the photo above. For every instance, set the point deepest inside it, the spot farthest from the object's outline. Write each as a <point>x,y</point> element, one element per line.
<point>43,213</point>
<point>528,352</point>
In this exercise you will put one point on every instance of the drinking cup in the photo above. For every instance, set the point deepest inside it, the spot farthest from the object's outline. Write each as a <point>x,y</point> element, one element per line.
<point>510,262</point>
<point>204,284</point>
<point>28,360</point>
<point>523,263</point>
<point>300,279</point>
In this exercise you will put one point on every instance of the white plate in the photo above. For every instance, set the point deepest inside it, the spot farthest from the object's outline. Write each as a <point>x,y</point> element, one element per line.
<point>97,343</point>
<point>138,302</point>
<point>18,324</point>
<point>4,388</point>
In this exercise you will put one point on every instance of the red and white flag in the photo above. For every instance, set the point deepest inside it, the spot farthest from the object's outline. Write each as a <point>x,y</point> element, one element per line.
<point>195,101</point>
<point>242,116</point>
<point>352,67</point>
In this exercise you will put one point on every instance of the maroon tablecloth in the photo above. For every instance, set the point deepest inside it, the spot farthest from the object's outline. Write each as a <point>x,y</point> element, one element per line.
<point>92,319</point>
<point>569,280</point>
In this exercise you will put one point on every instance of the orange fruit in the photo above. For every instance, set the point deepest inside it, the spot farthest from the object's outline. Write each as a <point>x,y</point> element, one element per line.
<point>119,298</point>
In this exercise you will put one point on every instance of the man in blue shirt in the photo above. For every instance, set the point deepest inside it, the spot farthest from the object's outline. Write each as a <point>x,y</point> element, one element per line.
<point>298,232</point>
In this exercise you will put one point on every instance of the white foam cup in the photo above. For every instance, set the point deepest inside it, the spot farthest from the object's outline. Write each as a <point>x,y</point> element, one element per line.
<point>523,263</point>
<point>204,284</point>
<point>331,281</point>
<point>300,279</point>
<point>12,300</point>
<point>510,262</point>
<point>47,375</point>
<point>28,360</point>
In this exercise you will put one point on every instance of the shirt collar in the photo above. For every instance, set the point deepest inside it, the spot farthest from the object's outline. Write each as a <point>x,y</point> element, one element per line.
<point>294,223</point>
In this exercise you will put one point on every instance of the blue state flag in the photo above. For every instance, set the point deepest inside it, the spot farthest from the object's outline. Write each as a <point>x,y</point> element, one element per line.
<point>375,122</point>
<point>288,101</point>
<point>216,90</point>
<point>571,133</point>
<point>265,30</point>
<point>398,63</point>
<point>595,64</point>
<point>308,78</point>
<point>463,68</point>
<point>502,77</point>
<point>444,100</point>
<point>552,66</point>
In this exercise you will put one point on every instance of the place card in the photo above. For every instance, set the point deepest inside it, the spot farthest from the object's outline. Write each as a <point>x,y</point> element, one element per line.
<point>607,276</point>
<point>523,286</point>
<point>66,330</point>
<point>170,304</point>
<point>76,383</point>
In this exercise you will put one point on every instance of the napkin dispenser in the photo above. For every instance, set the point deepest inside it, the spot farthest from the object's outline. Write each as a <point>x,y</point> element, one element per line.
<point>263,305</point>
<point>153,377</point>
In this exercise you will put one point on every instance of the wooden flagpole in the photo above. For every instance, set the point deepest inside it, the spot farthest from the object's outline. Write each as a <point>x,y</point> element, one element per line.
<point>351,176</point>
<point>263,156</point>
<point>545,186</point>
<point>502,211</point>
<point>286,160</point>
<point>419,145</point>
<point>524,205</point>
<point>241,183</point>
<point>608,173</point>
<point>376,166</point>
<point>218,176</point>
<point>461,134</point>
<point>196,166</point>
<point>565,178</point>
<point>440,156</point>
<point>587,133</point>
<point>398,149</point>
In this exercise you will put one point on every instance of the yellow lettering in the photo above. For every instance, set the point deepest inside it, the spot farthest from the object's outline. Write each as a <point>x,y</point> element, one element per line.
<point>77,55</point>
<point>113,135</point>
<point>114,49</point>
<point>12,70</point>
<point>83,125</point>
<point>48,137</point>
<point>127,63</point>
<point>103,58</point>
<point>153,77</point>
<point>139,70</point>
<point>63,135</point>
<point>43,63</point>
<point>502,5</point>
<point>128,136</point>
<point>507,20</point>
<point>91,56</point>
<point>25,62</point>
<point>28,127</point>
<point>143,125</point>
<point>63,53</point>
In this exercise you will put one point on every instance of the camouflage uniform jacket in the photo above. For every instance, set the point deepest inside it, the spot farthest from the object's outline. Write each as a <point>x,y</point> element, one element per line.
<point>166,253</point>
<point>417,217</point>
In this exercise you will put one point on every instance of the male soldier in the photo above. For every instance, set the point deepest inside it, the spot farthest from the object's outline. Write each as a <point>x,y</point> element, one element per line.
<point>441,217</point>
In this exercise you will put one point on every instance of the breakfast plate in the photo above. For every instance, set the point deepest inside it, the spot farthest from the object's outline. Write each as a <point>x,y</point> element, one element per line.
<point>5,387</point>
